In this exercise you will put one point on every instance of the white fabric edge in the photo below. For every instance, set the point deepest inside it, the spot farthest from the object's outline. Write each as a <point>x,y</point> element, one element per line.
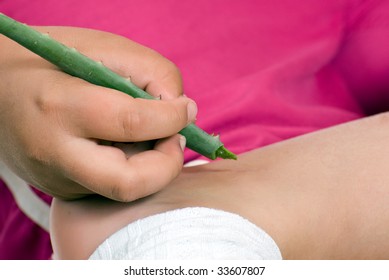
<point>28,202</point>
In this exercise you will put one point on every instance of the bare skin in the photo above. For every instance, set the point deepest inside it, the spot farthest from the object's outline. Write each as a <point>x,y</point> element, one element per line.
<point>320,196</point>
<point>53,125</point>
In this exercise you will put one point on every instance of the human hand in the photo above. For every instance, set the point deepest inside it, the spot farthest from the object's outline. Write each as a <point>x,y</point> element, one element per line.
<point>54,127</point>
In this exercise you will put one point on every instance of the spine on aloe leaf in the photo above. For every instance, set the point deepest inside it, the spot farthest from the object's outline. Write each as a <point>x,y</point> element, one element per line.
<point>76,64</point>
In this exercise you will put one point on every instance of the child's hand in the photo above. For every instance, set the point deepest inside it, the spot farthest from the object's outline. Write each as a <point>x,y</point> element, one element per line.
<point>52,125</point>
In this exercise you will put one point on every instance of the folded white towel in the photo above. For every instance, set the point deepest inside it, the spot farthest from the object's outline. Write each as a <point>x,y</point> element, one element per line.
<point>189,233</point>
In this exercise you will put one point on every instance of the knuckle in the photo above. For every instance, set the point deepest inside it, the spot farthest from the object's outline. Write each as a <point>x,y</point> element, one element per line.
<point>129,123</point>
<point>46,104</point>
<point>125,191</point>
<point>48,101</point>
<point>178,115</point>
<point>35,153</point>
<point>168,76</point>
<point>172,69</point>
<point>172,72</point>
<point>116,193</point>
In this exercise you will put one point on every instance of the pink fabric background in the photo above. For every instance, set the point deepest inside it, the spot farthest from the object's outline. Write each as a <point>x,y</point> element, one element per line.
<point>261,71</point>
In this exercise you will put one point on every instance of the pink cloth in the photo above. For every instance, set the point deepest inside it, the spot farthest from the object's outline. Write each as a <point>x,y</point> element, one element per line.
<point>261,71</point>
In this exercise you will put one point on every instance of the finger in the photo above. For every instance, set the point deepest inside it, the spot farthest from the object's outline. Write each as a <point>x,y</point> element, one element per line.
<point>96,112</point>
<point>167,83</point>
<point>145,67</point>
<point>107,171</point>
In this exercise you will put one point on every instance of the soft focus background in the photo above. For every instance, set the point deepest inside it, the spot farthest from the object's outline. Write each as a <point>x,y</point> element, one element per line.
<point>261,71</point>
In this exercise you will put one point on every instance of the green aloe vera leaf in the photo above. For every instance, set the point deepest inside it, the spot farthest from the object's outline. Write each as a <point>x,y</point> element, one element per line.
<point>76,64</point>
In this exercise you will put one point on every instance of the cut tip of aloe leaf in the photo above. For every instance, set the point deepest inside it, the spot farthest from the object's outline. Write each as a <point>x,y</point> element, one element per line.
<point>224,153</point>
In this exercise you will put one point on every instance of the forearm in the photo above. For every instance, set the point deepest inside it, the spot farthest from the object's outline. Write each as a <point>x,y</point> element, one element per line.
<point>316,195</point>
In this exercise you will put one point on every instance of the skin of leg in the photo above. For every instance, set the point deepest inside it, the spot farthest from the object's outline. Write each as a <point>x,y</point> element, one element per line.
<point>324,195</point>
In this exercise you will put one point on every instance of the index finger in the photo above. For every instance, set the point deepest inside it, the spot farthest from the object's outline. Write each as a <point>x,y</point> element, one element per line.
<point>101,113</point>
<point>145,67</point>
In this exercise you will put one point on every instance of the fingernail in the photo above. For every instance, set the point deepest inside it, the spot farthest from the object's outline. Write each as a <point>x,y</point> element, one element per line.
<point>182,142</point>
<point>192,111</point>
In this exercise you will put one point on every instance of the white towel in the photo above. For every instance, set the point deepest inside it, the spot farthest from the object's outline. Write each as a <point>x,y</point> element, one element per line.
<point>190,233</point>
